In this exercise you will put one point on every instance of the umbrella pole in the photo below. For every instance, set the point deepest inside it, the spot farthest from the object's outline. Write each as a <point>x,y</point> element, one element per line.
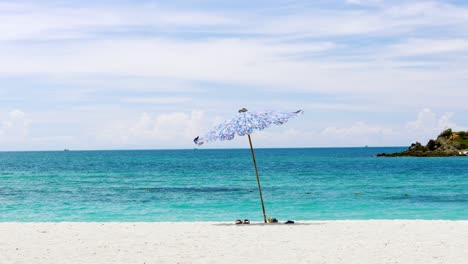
<point>258,179</point>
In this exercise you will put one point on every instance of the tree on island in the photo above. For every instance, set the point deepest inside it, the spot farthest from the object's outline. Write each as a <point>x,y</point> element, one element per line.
<point>447,144</point>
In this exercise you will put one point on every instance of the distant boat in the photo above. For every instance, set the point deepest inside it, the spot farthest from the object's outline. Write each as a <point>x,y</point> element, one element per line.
<point>66,150</point>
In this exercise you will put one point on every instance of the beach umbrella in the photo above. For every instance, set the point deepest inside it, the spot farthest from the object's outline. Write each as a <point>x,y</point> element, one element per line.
<point>245,123</point>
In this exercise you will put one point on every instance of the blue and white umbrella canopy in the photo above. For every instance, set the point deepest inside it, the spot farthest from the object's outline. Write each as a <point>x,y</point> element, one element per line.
<point>245,123</point>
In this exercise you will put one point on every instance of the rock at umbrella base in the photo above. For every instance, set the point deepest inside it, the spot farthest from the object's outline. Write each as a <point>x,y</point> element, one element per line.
<point>447,144</point>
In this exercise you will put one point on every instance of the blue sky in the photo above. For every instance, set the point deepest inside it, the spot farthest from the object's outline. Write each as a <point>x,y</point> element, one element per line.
<point>154,74</point>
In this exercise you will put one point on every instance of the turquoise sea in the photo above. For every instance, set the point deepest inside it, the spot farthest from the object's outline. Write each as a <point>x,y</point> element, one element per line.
<point>220,185</point>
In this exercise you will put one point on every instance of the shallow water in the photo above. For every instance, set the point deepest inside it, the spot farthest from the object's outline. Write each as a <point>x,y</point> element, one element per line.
<point>220,185</point>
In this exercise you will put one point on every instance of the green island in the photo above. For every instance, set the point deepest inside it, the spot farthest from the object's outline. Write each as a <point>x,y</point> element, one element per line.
<point>447,144</point>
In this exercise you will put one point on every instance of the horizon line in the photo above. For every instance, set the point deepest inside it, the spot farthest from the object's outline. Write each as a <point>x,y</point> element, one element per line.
<point>196,148</point>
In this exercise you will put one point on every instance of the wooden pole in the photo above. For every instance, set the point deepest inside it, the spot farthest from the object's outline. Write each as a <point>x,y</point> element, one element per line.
<point>258,179</point>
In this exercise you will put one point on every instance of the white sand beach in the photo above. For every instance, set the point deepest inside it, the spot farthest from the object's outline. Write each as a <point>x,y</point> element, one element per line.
<point>374,241</point>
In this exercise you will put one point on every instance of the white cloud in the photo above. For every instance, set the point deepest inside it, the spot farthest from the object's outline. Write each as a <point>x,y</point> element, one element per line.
<point>164,130</point>
<point>356,129</point>
<point>387,19</point>
<point>320,66</point>
<point>414,47</point>
<point>22,22</point>
<point>255,63</point>
<point>363,2</point>
<point>96,64</point>
<point>357,134</point>
<point>429,124</point>
<point>32,22</point>
<point>225,60</point>
<point>16,133</point>
<point>115,129</point>
<point>158,100</point>
<point>14,126</point>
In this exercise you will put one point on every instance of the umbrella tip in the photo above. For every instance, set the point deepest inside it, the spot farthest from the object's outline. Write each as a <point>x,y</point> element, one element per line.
<point>197,141</point>
<point>243,110</point>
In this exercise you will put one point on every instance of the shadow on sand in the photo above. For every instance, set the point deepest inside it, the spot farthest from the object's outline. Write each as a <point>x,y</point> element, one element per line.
<point>272,224</point>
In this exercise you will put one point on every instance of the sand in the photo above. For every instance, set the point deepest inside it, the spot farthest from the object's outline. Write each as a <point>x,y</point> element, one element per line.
<point>386,241</point>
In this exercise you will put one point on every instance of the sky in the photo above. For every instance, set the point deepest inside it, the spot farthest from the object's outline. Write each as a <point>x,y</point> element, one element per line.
<point>146,74</point>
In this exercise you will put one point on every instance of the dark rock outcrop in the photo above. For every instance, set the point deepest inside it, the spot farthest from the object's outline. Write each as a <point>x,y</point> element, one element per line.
<point>447,144</point>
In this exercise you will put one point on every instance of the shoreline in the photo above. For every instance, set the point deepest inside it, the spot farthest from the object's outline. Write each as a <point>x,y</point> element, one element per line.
<point>334,241</point>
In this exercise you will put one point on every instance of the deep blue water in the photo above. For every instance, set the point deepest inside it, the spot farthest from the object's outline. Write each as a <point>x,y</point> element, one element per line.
<point>220,185</point>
